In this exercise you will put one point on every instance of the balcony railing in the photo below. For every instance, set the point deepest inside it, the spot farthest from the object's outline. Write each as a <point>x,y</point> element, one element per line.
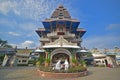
<point>44,39</point>
<point>52,34</point>
<point>55,34</point>
<point>69,35</point>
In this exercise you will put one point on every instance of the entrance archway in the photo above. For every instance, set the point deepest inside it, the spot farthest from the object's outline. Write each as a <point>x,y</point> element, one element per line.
<point>61,54</point>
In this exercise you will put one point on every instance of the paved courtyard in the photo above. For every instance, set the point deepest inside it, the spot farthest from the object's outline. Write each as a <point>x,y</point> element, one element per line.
<point>29,73</point>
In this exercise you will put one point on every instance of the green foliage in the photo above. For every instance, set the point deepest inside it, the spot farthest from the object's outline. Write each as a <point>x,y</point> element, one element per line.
<point>76,69</point>
<point>22,64</point>
<point>2,56</point>
<point>4,44</point>
<point>74,60</point>
<point>32,62</point>
<point>71,50</point>
<point>47,60</point>
<point>41,59</point>
<point>70,70</point>
<point>89,54</point>
<point>49,50</point>
<point>83,62</point>
<point>46,69</point>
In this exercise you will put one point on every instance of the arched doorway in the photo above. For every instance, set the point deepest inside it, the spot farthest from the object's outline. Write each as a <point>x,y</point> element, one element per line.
<point>60,54</point>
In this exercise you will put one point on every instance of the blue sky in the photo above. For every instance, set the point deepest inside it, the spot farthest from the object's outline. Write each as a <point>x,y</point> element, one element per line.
<point>20,18</point>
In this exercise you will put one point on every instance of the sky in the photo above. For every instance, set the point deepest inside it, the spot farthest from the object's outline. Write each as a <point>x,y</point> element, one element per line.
<point>100,18</point>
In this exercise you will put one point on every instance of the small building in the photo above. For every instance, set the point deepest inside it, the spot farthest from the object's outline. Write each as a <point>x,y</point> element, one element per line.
<point>8,56</point>
<point>106,56</point>
<point>22,59</point>
<point>36,54</point>
<point>22,56</point>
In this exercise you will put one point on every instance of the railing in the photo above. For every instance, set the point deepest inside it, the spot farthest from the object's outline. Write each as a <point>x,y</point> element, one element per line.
<point>54,34</point>
<point>44,39</point>
<point>69,35</point>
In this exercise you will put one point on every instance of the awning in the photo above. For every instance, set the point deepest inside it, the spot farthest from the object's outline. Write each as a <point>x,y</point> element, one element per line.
<point>59,46</point>
<point>82,51</point>
<point>38,50</point>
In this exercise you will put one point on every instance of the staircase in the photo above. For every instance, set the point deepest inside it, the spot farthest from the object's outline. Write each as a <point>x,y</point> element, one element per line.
<point>5,60</point>
<point>8,60</point>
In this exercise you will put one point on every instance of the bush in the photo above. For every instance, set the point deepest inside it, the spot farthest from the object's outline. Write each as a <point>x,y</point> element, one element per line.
<point>22,64</point>
<point>76,69</point>
<point>32,62</point>
<point>41,60</point>
<point>2,56</point>
<point>70,70</point>
<point>46,69</point>
<point>83,62</point>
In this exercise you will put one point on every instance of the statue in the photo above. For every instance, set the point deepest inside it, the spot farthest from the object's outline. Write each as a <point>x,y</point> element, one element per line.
<point>58,65</point>
<point>66,64</point>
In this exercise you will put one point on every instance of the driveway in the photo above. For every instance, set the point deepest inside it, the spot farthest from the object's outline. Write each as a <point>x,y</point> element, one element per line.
<point>30,73</point>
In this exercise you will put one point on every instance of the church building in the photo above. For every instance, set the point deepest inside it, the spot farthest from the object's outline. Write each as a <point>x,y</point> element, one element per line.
<point>61,38</point>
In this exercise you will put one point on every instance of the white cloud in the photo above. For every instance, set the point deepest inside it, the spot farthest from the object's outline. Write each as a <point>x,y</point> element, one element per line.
<point>105,41</point>
<point>4,7</point>
<point>113,26</point>
<point>13,34</point>
<point>108,40</point>
<point>27,43</point>
<point>34,9</point>
<point>27,26</point>
<point>9,23</point>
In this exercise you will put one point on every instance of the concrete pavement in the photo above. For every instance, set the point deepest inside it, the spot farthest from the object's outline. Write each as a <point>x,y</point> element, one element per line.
<point>29,73</point>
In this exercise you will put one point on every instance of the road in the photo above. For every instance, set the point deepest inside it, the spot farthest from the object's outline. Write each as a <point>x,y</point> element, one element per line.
<point>30,73</point>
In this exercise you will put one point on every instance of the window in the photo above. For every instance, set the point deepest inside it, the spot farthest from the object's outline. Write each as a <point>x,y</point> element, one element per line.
<point>19,61</point>
<point>61,29</point>
<point>60,18</point>
<point>24,60</point>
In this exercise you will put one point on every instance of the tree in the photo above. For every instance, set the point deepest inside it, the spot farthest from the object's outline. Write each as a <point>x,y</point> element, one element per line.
<point>4,44</point>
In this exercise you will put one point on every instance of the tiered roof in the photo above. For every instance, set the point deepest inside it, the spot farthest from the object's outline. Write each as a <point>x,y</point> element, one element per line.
<point>61,16</point>
<point>61,13</point>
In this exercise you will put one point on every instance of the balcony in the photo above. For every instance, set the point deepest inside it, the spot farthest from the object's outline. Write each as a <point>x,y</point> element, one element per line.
<point>44,39</point>
<point>57,34</point>
<point>53,34</point>
<point>69,35</point>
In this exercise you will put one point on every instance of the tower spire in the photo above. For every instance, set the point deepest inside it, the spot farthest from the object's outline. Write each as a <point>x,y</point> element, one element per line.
<point>61,13</point>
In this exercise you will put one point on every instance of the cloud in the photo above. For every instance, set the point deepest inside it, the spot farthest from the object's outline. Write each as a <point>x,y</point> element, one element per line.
<point>105,41</point>
<point>113,27</point>
<point>27,43</point>
<point>4,7</point>
<point>108,40</point>
<point>13,34</point>
<point>27,26</point>
<point>24,17</point>
<point>34,9</point>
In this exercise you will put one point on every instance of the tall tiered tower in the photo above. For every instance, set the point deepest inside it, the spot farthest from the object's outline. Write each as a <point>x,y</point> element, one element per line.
<point>60,24</point>
<point>60,35</point>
